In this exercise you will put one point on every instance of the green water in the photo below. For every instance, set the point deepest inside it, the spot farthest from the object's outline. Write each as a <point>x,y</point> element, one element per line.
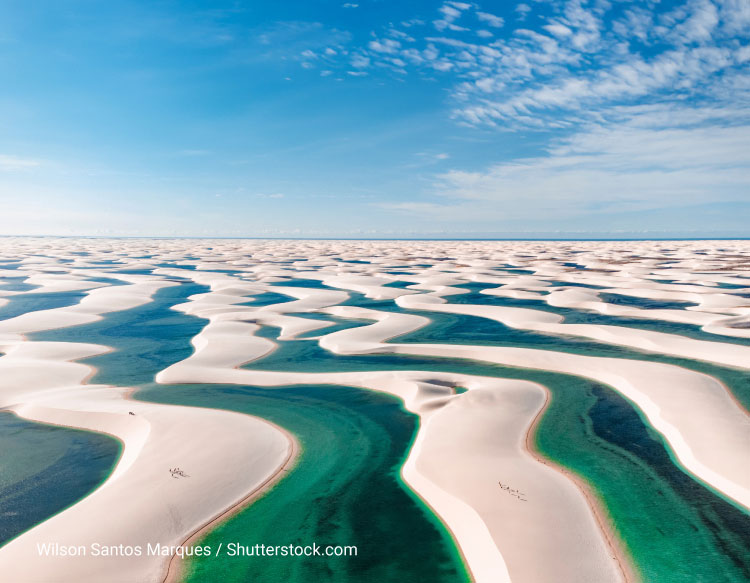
<point>462,329</point>
<point>673,526</point>
<point>676,529</point>
<point>491,332</point>
<point>344,490</point>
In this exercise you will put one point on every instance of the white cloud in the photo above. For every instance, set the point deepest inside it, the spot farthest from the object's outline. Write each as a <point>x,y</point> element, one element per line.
<point>360,61</point>
<point>431,53</point>
<point>451,11</point>
<point>16,163</point>
<point>695,21</point>
<point>389,46</point>
<point>636,22</point>
<point>605,168</point>
<point>653,101</point>
<point>490,19</point>
<point>523,9</point>
<point>735,15</point>
<point>558,30</point>
<point>577,59</point>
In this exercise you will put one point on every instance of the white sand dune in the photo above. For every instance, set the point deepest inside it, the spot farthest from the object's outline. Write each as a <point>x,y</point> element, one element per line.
<point>499,532</point>
<point>476,507</point>
<point>226,455</point>
<point>716,457</point>
<point>470,462</point>
<point>546,322</point>
<point>96,302</point>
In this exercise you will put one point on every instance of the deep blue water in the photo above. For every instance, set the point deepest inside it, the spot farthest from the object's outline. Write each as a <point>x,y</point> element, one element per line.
<point>21,304</point>
<point>15,284</point>
<point>45,468</point>
<point>644,303</point>
<point>575,316</point>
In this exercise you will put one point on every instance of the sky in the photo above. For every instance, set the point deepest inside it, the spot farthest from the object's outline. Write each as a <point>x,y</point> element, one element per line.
<point>375,118</point>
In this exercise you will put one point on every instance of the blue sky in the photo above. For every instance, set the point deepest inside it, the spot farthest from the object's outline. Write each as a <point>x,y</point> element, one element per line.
<point>375,118</point>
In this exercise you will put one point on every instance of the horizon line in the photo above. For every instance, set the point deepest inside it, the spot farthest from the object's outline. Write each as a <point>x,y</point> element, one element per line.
<point>396,238</point>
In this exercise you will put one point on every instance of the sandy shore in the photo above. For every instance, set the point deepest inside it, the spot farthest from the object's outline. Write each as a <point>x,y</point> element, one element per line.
<point>175,567</point>
<point>619,553</point>
<point>715,457</point>
<point>475,507</point>
<point>548,323</point>
<point>225,455</point>
<point>472,460</point>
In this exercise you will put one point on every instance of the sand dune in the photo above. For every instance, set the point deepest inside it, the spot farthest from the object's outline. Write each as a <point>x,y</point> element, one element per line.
<point>226,455</point>
<point>468,505</point>
<point>470,462</point>
<point>716,457</point>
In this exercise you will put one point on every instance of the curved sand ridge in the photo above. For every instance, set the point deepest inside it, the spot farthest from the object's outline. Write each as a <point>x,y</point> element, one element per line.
<point>546,322</point>
<point>715,312</point>
<point>482,431</point>
<point>717,457</point>
<point>41,381</point>
<point>44,284</point>
<point>467,446</point>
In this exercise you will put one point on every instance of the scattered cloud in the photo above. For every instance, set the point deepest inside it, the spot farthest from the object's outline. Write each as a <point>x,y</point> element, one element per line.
<point>642,104</point>
<point>580,57</point>
<point>307,42</point>
<point>523,10</point>
<point>387,45</point>
<point>632,106</point>
<point>490,19</point>
<point>634,165</point>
